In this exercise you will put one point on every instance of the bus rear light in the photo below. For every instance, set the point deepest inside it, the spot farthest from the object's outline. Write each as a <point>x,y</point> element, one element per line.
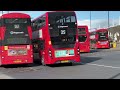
<point>2,51</point>
<point>5,47</point>
<point>25,60</point>
<point>106,41</point>
<point>31,55</point>
<point>2,57</point>
<point>98,41</point>
<point>28,47</point>
<point>50,53</point>
<point>76,40</point>
<point>49,42</point>
<point>78,51</point>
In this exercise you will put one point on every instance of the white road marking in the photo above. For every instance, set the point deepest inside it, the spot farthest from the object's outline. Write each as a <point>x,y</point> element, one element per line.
<point>4,76</point>
<point>101,65</point>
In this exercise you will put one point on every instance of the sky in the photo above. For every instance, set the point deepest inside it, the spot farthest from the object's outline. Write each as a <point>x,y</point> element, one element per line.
<point>99,19</point>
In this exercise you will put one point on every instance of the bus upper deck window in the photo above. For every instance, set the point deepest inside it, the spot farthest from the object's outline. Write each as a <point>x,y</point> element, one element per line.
<point>72,18</point>
<point>68,19</point>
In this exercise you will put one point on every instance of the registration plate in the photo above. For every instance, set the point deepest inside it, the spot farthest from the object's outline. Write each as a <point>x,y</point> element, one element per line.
<point>103,46</point>
<point>17,61</point>
<point>81,50</point>
<point>103,43</point>
<point>65,61</point>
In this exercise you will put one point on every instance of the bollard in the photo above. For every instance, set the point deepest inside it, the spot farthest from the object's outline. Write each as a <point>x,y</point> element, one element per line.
<point>114,44</point>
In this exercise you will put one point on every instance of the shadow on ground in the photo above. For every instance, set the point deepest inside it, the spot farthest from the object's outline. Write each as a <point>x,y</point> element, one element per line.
<point>89,59</point>
<point>91,51</point>
<point>84,60</point>
<point>113,77</point>
<point>21,66</point>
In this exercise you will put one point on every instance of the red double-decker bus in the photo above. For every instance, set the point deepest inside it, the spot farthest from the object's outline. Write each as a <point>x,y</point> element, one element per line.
<point>15,39</point>
<point>99,39</point>
<point>55,37</point>
<point>84,38</point>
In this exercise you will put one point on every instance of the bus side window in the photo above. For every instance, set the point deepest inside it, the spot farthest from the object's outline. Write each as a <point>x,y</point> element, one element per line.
<point>35,46</point>
<point>42,44</point>
<point>38,45</point>
<point>41,22</point>
<point>34,26</point>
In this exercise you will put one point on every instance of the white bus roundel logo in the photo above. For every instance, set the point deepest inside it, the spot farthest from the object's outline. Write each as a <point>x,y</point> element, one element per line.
<point>16,26</point>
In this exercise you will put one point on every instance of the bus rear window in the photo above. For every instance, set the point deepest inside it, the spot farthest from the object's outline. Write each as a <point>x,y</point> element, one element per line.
<point>17,41</point>
<point>65,19</point>
<point>81,31</point>
<point>102,36</point>
<point>17,20</point>
<point>62,17</point>
<point>82,38</point>
<point>63,40</point>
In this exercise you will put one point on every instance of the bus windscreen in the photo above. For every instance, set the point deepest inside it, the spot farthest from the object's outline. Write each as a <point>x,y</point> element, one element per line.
<point>16,31</point>
<point>62,27</point>
<point>102,36</point>
<point>81,31</point>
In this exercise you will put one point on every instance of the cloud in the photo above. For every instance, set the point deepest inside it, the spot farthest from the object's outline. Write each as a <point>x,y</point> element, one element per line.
<point>99,23</point>
<point>33,14</point>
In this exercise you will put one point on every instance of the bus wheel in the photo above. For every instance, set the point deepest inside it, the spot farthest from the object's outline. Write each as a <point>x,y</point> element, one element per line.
<point>43,61</point>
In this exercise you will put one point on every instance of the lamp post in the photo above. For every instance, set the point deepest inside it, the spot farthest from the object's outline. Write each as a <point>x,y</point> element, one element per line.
<point>108,24</point>
<point>108,20</point>
<point>2,12</point>
<point>90,20</point>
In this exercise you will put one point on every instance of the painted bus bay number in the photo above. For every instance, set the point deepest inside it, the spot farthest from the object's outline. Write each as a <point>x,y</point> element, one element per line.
<point>63,32</point>
<point>16,26</point>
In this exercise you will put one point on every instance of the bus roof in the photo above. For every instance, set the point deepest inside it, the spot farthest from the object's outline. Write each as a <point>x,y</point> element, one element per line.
<point>15,15</point>
<point>99,30</point>
<point>79,26</point>
<point>102,30</point>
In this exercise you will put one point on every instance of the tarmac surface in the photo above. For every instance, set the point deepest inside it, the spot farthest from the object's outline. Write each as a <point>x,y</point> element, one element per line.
<point>98,64</point>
